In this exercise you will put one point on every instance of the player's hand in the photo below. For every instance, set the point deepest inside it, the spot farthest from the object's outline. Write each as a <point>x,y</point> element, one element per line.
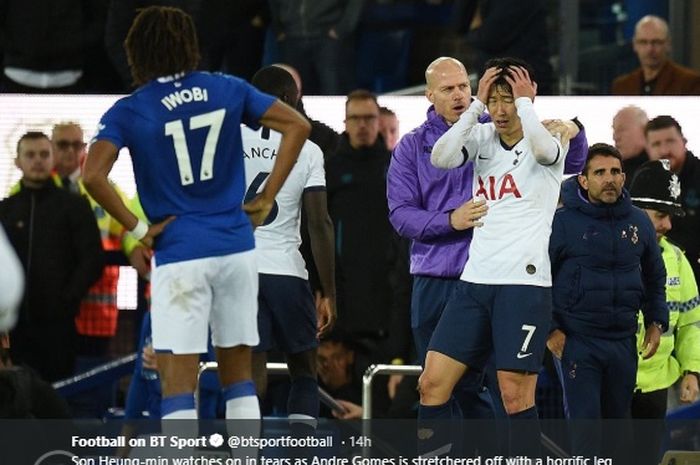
<point>520,82</point>
<point>689,389</point>
<point>258,209</point>
<point>148,358</point>
<point>652,339</point>
<point>468,215</point>
<point>565,129</point>
<point>485,82</point>
<point>352,411</point>
<point>325,313</point>
<point>154,230</point>
<point>556,342</point>
<point>140,259</point>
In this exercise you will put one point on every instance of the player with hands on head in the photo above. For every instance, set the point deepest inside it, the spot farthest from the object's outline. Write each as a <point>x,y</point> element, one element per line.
<point>502,306</point>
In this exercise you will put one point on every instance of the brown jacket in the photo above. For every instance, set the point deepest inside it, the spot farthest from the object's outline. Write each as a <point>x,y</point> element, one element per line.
<point>673,79</point>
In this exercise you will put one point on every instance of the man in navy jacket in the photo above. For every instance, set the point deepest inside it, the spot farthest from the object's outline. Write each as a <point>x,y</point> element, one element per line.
<point>606,266</point>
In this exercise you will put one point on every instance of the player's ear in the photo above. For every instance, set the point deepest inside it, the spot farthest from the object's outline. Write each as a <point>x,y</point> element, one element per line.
<point>583,181</point>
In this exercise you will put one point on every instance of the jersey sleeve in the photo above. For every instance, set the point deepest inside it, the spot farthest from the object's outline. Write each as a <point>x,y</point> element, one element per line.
<point>546,148</point>
<point>317,174</point>
<point>461,142</point>
<point>114,125</point>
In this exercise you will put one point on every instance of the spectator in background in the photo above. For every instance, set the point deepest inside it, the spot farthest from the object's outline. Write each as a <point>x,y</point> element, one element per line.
<point>497,28</point>
<point>96,321</point>
<point>606,266</point>
<point>657,190</point>
<point>55,236</point>
<point>341,364</point>
<point>657,74</point>
<point>628,133</point>
<point>232,35</point>
<point>45,43</point>
<point>11,283</point>
<point>356,185</point>
<point>388,127</point>
<point>316,38</point>
<point>23,394</point>
<point>665,141</point>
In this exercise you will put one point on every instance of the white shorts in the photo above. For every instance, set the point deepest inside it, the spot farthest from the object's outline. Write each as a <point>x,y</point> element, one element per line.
<point>218,292</point>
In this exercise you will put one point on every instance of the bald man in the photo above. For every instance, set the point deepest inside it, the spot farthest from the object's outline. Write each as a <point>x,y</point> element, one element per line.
<point>628,133</point>
<point>657,74</point>
<point>434,209</point>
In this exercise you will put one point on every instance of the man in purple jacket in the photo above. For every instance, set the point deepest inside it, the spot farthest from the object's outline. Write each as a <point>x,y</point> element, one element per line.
<point>434,208</point>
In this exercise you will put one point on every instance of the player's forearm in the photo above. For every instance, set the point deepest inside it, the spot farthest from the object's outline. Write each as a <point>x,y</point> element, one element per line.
<point>102,191</point>
<point>321,235</point>
<point>544,148</point>
<point>447,151</point>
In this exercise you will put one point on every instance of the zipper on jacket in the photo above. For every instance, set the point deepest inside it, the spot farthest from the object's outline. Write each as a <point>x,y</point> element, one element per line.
<point>614,256</point>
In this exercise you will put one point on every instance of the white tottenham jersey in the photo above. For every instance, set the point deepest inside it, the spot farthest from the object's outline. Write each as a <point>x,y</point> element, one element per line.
<point>277,240</point>
<point>512,245</point>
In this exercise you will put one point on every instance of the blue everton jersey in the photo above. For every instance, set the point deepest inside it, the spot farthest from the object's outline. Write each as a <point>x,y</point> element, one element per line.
<point>183,133</point>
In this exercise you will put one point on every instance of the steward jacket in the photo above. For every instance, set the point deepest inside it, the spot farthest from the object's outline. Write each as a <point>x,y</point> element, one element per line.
<point>679,350</point>
<point>606,265</point>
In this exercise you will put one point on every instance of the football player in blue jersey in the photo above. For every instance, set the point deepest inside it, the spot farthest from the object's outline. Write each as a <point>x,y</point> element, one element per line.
<point>182,130</point>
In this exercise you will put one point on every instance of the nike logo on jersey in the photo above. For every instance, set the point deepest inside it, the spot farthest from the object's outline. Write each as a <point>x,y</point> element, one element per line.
<point>482,158</point>
<point>521,355</point>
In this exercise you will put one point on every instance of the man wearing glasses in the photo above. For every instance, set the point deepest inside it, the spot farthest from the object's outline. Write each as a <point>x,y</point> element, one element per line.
<point>96,321</point>
<point>657,74</point>
<point>365,246</point>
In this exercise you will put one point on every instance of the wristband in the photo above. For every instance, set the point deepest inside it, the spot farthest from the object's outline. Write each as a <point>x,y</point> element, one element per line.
<point>140,230</point>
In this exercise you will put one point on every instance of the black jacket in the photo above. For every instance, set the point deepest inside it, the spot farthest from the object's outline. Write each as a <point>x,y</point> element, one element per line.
<point>356,185</point>
<point>686,230</point>
<point>55,235</point>
<point>606,266</point>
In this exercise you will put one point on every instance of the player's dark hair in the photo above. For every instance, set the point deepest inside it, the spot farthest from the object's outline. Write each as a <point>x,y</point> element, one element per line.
<point>503,64</point>
<point>31,135</point>
<point>662,122</point>
<point>162,41</point>
<point>278,82</point>
<point>600,149</point>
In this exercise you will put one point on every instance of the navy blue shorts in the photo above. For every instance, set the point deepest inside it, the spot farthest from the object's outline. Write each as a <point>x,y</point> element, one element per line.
<point>510,321</point>
<point>286,315</point>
